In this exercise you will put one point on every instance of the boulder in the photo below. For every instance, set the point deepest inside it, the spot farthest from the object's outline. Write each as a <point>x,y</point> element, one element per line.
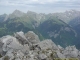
<point>47,44</point>
<point>71,52</point>
<point>21,37</point>
<point>32,37</point>
<point>10,42</point>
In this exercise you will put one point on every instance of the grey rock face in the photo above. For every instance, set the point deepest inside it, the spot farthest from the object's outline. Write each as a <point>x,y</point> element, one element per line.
<point>47,44</point>
<point>60,55</point>
<point>29,47</point>
<point>22,39</point>
<point>42,57</point>
<point>10,42</point>
<point>1,45</point>
<point>32,37</point>
<point>71,51</point>
<point>25,49</point>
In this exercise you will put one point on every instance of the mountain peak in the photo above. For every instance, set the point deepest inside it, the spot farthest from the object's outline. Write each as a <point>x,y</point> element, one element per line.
<point>31,12</point>
<point>17,13</point>
<point>72,11</point>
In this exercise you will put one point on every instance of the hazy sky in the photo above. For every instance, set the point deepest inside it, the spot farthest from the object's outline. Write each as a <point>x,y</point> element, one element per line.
<point>40,6</point>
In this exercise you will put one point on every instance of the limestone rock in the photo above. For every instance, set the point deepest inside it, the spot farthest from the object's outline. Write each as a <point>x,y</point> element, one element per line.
<point>21,37</point>
<point>42,57</point>
<point>29,47</point>
<point>47,44</point>
<point>71,51</point>
<point>1,45</point>
<point>32,37</point>
<point>60,55</point>
<point>10,42</point>
<point>25,49</point>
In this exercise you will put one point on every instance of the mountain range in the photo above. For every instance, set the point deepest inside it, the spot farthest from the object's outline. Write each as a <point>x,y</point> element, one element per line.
<point>63,28</point>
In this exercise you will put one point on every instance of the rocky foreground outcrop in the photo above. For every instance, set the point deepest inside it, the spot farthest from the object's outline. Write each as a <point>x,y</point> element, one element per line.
<point>28,47</point>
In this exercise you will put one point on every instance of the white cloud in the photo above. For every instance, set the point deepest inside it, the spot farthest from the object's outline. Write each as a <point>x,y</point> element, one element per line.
<point>33,3</point>
<point>29,2</point>
<point>39,5</point>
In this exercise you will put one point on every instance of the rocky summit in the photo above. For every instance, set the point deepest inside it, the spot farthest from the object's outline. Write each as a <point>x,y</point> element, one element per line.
<point>27,46</point>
